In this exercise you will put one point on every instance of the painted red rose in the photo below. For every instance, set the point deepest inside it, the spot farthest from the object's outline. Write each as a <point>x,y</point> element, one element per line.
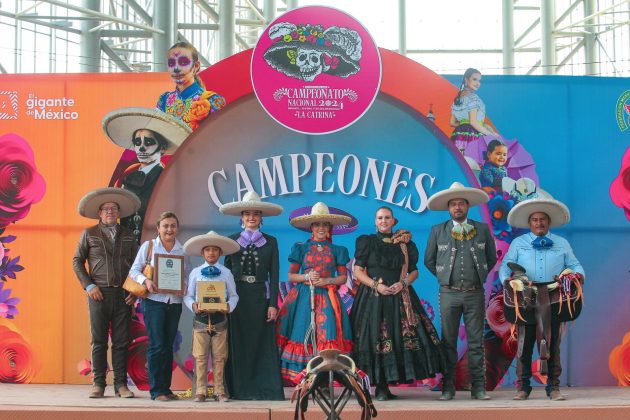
<point>18,363</point>
<point>20,183</point>
<point>620,187</point>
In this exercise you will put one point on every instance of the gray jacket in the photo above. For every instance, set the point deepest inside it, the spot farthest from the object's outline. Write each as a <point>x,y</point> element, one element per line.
<point>440,253</point>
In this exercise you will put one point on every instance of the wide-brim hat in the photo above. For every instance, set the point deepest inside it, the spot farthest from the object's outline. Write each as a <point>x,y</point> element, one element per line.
<point>89,205</point>
<point>557,212</point>
<point>251,201</point>
<point>319,213</point>
<point>474,196</point>
<point>196,244</point>
<point>342,46</point>
<point>119,125</point>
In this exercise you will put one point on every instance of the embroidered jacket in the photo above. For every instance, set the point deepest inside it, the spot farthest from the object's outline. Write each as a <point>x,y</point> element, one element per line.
<point>439,256</point>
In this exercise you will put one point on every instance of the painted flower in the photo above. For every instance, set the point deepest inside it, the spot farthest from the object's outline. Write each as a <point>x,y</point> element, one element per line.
<point>7,303</point>
<point>171,98</point>
<point>20,184</point>
<point>18,363</point>
<point>496,318</point>
<point>620,187</point>
<point>619,361</point>
<point>499,206</point>
<point>84,367</point>
<point>9,266</point>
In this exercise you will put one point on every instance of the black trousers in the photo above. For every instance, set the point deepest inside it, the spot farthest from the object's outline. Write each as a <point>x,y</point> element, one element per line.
<point>524,365</point>
<point>111,311</point>
<point>470,305</point>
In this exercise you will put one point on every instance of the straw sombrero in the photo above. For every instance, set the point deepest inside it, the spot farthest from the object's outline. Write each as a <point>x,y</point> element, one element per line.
<point>474,196</point>
<point>196,244</point>
<point>119,126</point>
<point>557,212</point>
<point>319,213</point>
<point>250,201</point>
<point>89,205</point>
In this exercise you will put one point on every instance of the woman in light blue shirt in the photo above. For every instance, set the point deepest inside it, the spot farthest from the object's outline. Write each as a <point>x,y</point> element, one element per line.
<point>161,311</point>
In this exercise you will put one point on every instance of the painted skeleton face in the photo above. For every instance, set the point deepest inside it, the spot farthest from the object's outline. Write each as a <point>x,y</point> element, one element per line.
<point>146,146</point>
<point>182,67</point>
<point>310,63</point>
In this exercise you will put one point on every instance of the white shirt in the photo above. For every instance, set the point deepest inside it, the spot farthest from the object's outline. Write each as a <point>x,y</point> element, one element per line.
<point>225,276</point>
<point>150,166</point>
<point>136,269</point>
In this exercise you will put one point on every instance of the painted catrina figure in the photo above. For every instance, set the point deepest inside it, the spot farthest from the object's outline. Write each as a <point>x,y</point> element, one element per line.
<point>190,101</point>
<point>253,369</point>
<point>150,134</point>
<point>312,317</point>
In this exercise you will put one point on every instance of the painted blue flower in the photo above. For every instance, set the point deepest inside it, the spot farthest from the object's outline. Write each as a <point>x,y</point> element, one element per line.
<point>7,303</point>
<point>500,205</point>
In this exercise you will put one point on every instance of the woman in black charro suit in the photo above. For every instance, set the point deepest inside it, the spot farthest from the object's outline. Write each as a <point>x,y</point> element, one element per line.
<point>253,368</point>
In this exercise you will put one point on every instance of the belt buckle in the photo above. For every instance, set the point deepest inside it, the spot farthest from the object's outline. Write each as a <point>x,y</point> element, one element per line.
<point>249,279</point>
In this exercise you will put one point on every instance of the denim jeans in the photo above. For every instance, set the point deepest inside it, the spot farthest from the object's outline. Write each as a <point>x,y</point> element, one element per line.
<point>161,320</point>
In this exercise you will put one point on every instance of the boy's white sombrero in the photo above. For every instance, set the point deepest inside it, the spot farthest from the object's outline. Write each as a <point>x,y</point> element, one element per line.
<point>196,244</point>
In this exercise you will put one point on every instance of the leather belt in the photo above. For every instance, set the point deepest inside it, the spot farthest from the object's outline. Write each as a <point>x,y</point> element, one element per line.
<point>463,289</point>
<point>248,279</point>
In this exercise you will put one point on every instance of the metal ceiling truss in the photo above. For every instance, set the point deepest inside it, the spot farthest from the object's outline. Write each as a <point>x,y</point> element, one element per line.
<point>134,35</point>
<point>570,42</point>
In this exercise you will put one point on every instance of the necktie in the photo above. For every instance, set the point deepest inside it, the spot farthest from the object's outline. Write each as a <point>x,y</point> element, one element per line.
<point>542,242</point>
<point>463,231</point>
<point>248,237</point>
<point>210,271</point>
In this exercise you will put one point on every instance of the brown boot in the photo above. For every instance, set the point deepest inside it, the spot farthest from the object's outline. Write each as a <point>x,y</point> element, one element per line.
<point>124,392</point>
<point>521,395</point>
<point>555,395</point>
<point>200,398</point>
<point>97,391</point>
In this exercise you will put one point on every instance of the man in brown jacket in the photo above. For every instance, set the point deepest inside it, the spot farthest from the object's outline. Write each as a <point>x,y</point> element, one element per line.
<point>109,250</point>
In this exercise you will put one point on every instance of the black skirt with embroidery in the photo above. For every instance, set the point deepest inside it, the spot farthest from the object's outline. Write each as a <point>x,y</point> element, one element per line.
<point>387,346</point>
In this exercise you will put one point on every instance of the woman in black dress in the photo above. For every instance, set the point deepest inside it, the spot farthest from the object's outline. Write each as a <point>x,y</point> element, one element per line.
<point>394,340</point>
<point>253,368</point>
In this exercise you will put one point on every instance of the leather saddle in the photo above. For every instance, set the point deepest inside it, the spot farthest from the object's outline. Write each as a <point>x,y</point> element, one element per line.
<point>317,381</point>
<point>522,296</point>
<point>541,304</point>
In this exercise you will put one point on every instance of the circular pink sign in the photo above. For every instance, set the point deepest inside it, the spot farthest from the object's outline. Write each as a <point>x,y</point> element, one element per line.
<point>316,70</point>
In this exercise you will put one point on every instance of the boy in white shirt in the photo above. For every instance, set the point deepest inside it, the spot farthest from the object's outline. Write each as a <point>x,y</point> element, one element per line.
<point>210,328</point>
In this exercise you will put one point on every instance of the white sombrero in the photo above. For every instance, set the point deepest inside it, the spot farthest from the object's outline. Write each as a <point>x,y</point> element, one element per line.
<point>196,244</point>
<point>251,201</point>
<point>319,213</point>
<point>89,205</point>
<point>119,126</point>
<point>474,196</point>
<point>557,212</point>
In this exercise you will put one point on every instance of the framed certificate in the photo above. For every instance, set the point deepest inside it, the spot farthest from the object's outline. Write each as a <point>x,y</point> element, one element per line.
<point>169,274</point>
<point>211,296</point>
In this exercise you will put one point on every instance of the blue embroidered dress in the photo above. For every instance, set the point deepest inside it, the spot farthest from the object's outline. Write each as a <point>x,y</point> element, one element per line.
<point>331,319</point>
<point>492,175</point>
<point>179,104</point>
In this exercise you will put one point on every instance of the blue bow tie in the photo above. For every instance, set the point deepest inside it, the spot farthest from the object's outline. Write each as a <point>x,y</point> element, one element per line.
<point>542,242</point>
<point>210,271</point>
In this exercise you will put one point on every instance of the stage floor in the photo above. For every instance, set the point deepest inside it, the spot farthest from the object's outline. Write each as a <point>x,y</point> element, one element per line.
<point>56,402</point>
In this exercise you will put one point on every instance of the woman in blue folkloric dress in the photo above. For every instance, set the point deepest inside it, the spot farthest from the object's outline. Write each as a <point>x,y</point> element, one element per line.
<point>319,263</point>
<point>468,112</point>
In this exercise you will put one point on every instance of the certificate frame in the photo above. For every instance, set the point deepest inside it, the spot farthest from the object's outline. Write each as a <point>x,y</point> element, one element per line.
<point>169,274</point>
